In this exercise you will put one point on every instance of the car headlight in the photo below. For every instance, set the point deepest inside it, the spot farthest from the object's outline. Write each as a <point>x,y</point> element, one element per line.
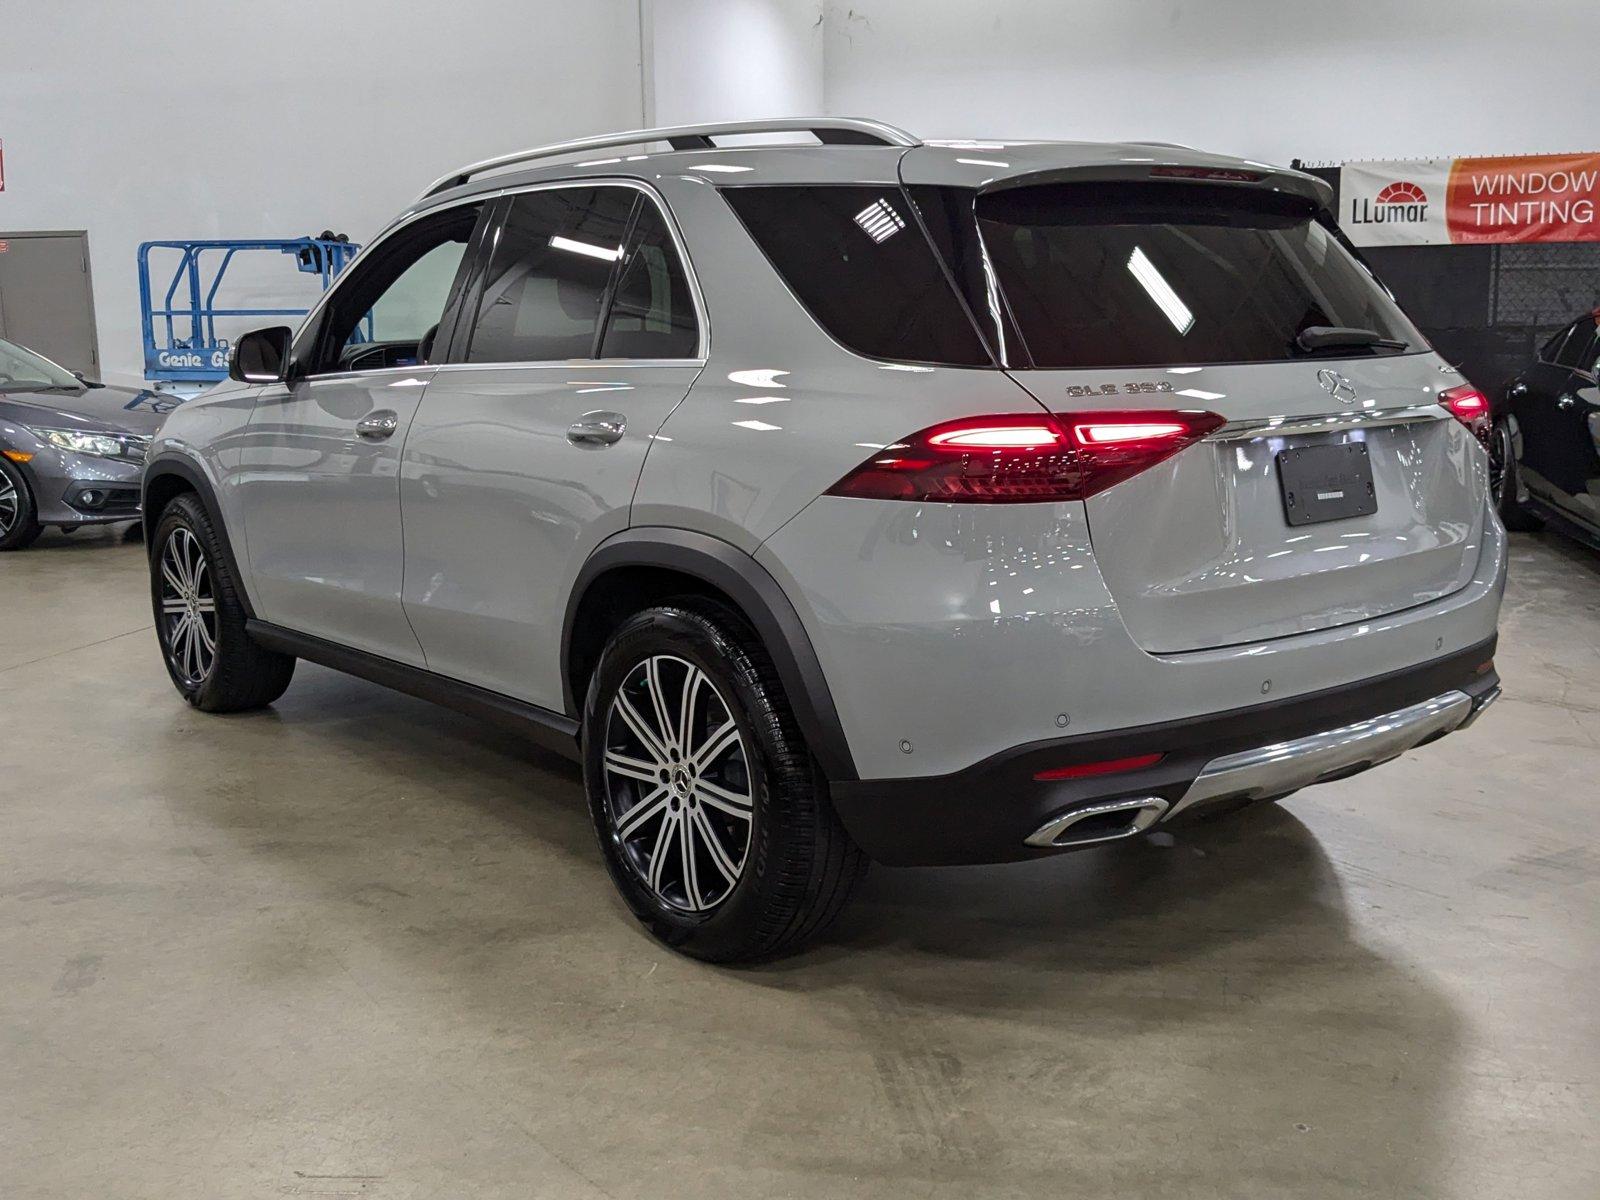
<point>99,445</point>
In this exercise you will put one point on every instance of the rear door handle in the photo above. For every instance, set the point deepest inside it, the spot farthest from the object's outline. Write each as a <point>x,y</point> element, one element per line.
<point>599,428</point>
<point>378,425</point>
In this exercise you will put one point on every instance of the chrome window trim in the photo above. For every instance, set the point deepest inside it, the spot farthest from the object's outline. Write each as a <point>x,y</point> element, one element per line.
<point>573,364</point>
<point>1260,427</point>
<point>702,318</point>
<point>364,373</point>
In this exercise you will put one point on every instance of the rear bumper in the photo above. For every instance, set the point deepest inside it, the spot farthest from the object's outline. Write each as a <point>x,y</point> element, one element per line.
<point>996,811</point>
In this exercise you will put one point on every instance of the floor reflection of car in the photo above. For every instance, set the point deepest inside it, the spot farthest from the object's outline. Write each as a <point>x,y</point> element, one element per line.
<point>1545,451</point>
<point>71,451</point>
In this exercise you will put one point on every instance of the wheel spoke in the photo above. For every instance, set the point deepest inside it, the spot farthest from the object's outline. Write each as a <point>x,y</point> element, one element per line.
<point>208,642</point>
<point>180,546</point>
<point>186,649</point>
<point>692,680</point>
<point>686,843</point>
<point>658,700</point>
<point>174,607</point>
<point>634,768</point>
<point>641,813</point>
<point>658,856</point>
<point>205,604</point>
<point>715,746</point>
<point>192,645</point>
<point>723,800</point>
<point>641,727</point>
<point>169,570</point>
<point>713,844</point>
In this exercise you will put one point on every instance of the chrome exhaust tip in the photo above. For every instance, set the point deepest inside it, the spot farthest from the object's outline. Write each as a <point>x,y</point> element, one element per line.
<point>1484,701</point>
<point>1108,821</point>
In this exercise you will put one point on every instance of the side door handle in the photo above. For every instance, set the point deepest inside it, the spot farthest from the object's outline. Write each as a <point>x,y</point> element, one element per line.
<point>377,425</point>
<point>598,428</point>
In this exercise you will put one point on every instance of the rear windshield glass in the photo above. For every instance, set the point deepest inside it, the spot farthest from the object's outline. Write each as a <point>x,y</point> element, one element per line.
<point>858,261</point>
<point>1113,275</point>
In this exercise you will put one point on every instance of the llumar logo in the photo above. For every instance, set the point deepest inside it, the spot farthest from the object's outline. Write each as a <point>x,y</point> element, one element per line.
<point>1398,202</point>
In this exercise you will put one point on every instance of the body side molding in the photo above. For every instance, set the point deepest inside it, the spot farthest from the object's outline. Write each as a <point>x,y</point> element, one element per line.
<point>554,731</point>
<point>747,582</point>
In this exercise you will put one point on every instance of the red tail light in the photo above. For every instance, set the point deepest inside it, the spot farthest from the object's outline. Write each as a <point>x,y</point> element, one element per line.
<point>1022,458</point>
<point>1469,406</point>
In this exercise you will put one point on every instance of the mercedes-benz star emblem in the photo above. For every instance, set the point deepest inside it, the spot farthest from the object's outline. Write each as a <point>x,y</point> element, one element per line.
<point>1337,386</point>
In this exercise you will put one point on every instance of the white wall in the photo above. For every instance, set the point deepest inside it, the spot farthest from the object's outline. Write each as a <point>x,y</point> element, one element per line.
<point>180,118</point>
<point>1270,79</point>
<point>732,60</point>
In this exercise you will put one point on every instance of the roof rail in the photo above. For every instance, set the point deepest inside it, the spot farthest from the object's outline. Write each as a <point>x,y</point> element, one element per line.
<point>831,131</point>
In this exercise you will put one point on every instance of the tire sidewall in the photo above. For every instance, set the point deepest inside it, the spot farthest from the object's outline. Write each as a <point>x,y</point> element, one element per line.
<point>691,636</point>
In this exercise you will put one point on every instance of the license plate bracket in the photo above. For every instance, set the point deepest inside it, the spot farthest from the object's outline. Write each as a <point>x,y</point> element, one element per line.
<point>1326,483</point>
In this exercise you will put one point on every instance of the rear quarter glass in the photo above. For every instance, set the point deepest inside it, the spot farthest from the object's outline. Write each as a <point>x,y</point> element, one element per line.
<point>857,258</point>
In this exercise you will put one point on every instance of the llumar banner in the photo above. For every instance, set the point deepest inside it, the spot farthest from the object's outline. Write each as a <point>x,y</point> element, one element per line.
<point>1469,201</point>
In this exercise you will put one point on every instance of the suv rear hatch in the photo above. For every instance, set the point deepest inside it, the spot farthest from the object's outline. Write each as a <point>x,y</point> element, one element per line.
<point>1166,294</point>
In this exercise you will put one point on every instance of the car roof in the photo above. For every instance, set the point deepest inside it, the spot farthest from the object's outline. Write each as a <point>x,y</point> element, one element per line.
<point>854,151</point>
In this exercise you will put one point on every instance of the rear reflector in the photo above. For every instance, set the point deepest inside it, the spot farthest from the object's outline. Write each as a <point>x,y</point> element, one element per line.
<point>1469,406</point>
<point>1023,457</point>
<point>1109,766</point>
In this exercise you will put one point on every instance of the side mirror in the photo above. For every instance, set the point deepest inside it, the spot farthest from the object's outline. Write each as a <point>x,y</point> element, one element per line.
<point>260,356</point>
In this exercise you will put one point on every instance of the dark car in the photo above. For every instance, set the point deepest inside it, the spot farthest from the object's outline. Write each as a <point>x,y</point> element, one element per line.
<point>71,451</point>
<point>1545,450</point>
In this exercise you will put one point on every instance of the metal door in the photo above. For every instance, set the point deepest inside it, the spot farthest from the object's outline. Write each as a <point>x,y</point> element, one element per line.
<point>45,299</point>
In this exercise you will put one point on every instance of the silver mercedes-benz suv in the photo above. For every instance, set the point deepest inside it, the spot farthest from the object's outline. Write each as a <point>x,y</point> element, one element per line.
<point>857,499</point>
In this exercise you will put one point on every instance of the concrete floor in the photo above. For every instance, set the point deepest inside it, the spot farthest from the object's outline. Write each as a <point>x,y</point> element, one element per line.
<point>360,946</point>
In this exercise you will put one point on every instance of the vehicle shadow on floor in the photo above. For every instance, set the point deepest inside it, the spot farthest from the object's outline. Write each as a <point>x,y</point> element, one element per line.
<point>1194,1018</point>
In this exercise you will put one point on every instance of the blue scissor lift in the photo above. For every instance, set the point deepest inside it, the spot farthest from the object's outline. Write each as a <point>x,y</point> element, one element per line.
<point>182,352</point>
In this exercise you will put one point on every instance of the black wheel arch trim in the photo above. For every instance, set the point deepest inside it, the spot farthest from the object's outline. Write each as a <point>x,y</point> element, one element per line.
<point>170,464</point>
<point>732,571</point>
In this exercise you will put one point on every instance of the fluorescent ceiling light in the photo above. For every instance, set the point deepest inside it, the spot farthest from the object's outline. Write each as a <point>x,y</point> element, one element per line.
<point>725,168</point>
<point>1200,394</point>
<point>608,253</point>
<point>983,162</point>
<point>1159,290</point>
<point>758,426</point>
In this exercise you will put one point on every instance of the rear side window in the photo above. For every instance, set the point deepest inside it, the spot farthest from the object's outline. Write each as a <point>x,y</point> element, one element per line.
<point>652,311</point>
<point>1578,350</point>
<point>1552,349</point>
<point>548,275</point>
<point>1147,274</point>
<point>856,258</point>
